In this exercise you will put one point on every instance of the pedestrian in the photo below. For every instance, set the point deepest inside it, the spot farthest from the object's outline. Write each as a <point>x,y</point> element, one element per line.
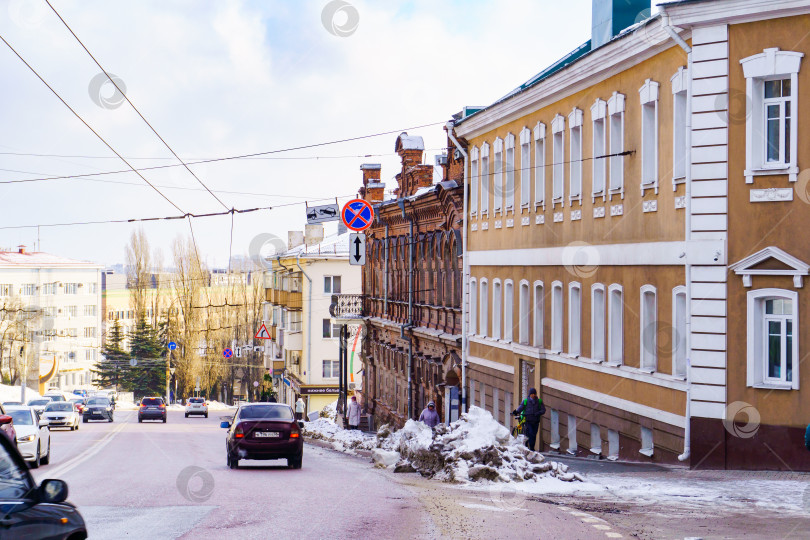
<point>429,415</point>
<point>299,409</point>
<point>273,398</point>
<point>353,413</point>
<point>531,410</point>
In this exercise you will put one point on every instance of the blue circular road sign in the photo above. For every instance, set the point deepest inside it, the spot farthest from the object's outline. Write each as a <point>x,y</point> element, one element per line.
<point>357,215</point>
<point>172,345</point>
<point>227,353</point>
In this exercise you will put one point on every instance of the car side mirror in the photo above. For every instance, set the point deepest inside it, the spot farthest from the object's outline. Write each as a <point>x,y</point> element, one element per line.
<point>301,425</point>
<point>5,419</point>
<point>225,424</point>
<point>53,491</point>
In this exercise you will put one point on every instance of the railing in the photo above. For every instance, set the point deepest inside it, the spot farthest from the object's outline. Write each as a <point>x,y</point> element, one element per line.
<point>346,306</point>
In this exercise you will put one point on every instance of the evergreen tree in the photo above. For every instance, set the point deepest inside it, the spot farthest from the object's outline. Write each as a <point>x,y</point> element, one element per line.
<point>148,376</point>
<point>110,370</point>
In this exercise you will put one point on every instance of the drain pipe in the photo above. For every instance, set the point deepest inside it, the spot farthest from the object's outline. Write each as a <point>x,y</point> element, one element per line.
<point>465,273</point>
<point>409,326</point>
<point>309,318</point>
<point>687,431</point>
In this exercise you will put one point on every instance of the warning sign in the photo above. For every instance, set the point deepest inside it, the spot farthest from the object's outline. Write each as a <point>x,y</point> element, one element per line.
<point>262,333</point>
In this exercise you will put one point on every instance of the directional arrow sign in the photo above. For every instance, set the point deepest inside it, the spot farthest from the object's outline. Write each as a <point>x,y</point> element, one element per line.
<point>357,249</point>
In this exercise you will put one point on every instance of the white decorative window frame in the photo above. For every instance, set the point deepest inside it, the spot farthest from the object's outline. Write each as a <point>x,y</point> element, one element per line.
<point>648,95</point>
<point>523,311</point>
<point>679,335</point>
<point>558,134</point>
<point>598,356</point>
<point>525,167</point>
<point>575,162</point>
<point>473,325</point>
<point>540,165</point>
<point>557,322</point>
<point>680,86</point>
<point>745,267</point>
<point>538,309</point>
<point>756,360</point>
<point>508,310</point>
<point>509,174</point>
<point>497,176</point>
<point>616,107</point>
<point>486,180</point>
<point>599,114</point>
<point>574,320</point>
<point>611,323</point>
<point>497,309</point>
<point>769,65</point>
<point>483,307</point>
<point>646,320</point>
<point>475,181</point>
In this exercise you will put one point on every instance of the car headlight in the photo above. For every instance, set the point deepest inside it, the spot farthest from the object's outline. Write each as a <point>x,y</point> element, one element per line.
<point>109,408</point>
<point>26,438</point>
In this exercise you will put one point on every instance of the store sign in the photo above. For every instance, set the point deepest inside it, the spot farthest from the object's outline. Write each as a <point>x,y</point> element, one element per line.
<point>315,390</point>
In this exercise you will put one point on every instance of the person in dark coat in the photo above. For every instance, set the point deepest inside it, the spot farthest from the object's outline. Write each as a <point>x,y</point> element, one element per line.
<point>531,410</point>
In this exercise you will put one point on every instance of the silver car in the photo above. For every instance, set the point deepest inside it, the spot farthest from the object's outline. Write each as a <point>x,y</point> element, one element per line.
<point>39,404</point>
<point>196,405</point>
<point>61,414</point>
<point>33,435</point>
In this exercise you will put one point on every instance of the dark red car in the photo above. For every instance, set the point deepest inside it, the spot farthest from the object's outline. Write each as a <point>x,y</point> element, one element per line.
<point>264,431</point>
<point>7,426</point>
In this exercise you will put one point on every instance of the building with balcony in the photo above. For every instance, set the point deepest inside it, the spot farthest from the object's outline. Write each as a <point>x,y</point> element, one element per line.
<point>412,287</point>
<point>632,222</point>
<point>304,343</point>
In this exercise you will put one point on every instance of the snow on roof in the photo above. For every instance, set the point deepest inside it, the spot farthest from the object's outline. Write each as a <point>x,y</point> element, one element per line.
<point>410,142</point>
<point>36,259</point>
<point>334,245</point>
<point>421,192</point>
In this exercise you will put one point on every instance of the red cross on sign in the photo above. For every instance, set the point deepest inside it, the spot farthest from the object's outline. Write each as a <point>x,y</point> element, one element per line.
<point>357,215</point>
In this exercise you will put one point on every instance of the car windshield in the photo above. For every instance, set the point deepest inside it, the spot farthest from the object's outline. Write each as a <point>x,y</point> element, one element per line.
<point>59,407</point>
<point>56,398</point>
<point>151,401</point>
<point>196,400</point>
<point>21,417</point>
<point>98,401</point>
<point>10,403</point>
<point>77,401</point>
<point>38,402</point>
<point>265,412</point>
<point>15,483</point>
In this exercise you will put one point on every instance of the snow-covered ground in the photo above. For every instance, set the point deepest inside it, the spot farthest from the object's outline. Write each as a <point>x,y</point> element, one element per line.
<point>12,393</point>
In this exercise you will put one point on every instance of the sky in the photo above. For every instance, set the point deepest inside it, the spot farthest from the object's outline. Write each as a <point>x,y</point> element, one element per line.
<point>232,77</point>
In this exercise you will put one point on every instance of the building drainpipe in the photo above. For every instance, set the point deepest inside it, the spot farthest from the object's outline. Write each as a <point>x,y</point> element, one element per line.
<point>309,318</point>
<point>465,274</point>
<point>409,326</point>
<point>688,234</point>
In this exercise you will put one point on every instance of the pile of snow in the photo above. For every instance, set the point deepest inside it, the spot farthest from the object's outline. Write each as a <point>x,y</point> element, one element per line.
<point>475,447</point>
<point>330,411</point>
<point>219,406</point>
<point>12,393</point>
<point>342,439</point>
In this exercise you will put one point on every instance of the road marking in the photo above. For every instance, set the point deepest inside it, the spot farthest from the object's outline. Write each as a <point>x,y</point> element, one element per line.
<point>613,535</point>
<point>601,527</point>
<point>81,458</point>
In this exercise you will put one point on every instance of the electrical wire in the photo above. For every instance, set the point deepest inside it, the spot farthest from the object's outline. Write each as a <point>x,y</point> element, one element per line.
<point>133,105</point>
<point>86,124</point>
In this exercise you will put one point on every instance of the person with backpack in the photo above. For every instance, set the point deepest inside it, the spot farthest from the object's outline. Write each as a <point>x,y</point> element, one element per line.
<point>532,409</point>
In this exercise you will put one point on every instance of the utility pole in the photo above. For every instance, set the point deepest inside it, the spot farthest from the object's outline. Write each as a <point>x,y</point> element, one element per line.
<point>168,376</point>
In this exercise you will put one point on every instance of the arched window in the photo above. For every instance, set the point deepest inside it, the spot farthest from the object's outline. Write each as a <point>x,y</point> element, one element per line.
<point>497,306</point>
<point>649,328</point>
<point>447,263</point>
<point>523,309</point>
<point>508,310</point>
<point>615,324</point>
<point>679,331</point>
<point>483,328</point>
<point>598,322</point>
<point>574,318</point>
<point>556,316</point>
<point>473,306</point>
<point>539,295</point>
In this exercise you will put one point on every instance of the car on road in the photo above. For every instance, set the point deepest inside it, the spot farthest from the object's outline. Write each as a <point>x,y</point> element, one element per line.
<point>98,408</point>
<point>152,408</point>
<point>7,426</point>
<point>55,396</point>
<point>31,511</point>
<point>80,403</point>
<point>61,414</point>
<point>196,405</point>
<point>39,404</point>
<point>264,431</point>
<point>33,435</point>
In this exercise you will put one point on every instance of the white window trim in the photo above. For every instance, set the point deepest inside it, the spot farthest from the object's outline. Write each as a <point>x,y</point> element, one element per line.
<point>538,319</point>
<point>540,165</point>
<point>677,291</point>
<point>768,65</point>
<point>644,353</point>
<point>486,179</point>
<point>475,181</point>
<point>509,174</point>
<point>557,323</point>
<point>680,85</point>
<point>523,312</point>
<point>599,114</point>
<point>575,162</point>
<point>497,177</point>
<point>558,128</point>
<point>594,356</point>
<point>525,167</point>
<point>574,326</point>
<point>648,95</point>
<point>616,106</point>
<point>497,309</point>
<point>483,306</point>
<point>508,310</point>
<point>473,306</point>
<point>755,376</point>
<point>611,360</point>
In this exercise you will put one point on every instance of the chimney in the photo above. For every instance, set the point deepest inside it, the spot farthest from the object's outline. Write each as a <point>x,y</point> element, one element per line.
<point>313,234</point>
<point>294,239</point>
<point>410,149</point>
<point>20,249</point>
<point>422,176</point>
<point>372,190</point>
<point>610,17</point>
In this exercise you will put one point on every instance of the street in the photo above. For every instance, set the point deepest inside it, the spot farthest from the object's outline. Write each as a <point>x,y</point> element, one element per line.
<point>155,480</point>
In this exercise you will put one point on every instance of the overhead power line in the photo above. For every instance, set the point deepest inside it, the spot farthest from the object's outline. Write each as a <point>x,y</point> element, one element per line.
<point>86,124</point>
<point>112,80</point>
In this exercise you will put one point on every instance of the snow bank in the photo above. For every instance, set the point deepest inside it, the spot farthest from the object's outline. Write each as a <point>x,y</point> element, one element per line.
<point>330,411</point>
<point>12,393</point>
<point>342,439</point>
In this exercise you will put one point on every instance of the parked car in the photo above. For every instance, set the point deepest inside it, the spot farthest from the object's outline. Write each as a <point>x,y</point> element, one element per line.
<point>196,405</point>
<point>7,426</point>
<point>152,408</point>
<point>98,408</point>
<point>61,414</point>
<point>55,396</point>
<point>79,403</point>
<point>31,511</point>
<point>39,404</point>
<point>33,435</point>
<point>264,431</point>
<point>12,403</point>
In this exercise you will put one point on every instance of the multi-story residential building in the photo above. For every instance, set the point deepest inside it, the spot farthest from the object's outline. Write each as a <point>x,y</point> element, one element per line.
<point>299,288</point>
<point>632,234</point>
<point>63,298</point>
<point>412,288</point>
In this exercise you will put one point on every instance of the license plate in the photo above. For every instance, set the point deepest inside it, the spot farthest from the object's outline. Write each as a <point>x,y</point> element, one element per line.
<point>152,408</point>
<point>267,434</point>
<point>97,410</point>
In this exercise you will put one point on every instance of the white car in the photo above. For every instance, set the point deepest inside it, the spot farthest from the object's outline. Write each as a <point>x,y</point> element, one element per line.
<point>61,414</point>
<point>196,405</point>
<point>39,404</point>
<point>33,435</point>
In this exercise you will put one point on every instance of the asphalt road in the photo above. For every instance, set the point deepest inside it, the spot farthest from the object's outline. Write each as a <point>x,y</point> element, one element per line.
<point>155,480</point>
